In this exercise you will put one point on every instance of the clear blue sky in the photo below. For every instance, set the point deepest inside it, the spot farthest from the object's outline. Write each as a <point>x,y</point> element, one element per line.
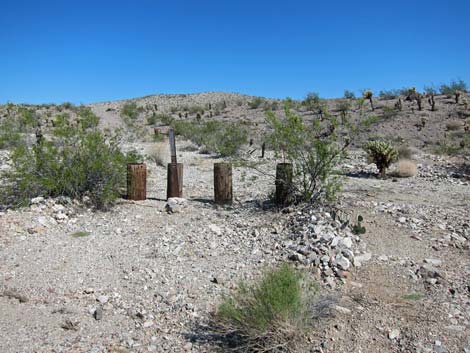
<point>87,51</point>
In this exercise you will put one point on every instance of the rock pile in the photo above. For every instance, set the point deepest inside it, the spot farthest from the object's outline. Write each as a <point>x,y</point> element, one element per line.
<point>322,239</point>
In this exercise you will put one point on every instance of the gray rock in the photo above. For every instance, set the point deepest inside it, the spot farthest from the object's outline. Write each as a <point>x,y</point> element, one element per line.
<point>98,314</point>
<point>341,262</point>
<point>394,334</point>
<point>103,299</point>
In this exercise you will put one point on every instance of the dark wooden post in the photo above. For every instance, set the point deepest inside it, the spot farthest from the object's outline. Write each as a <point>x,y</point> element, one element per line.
<point>174,186</point>
<point>174,180</point>
<point>263,147</point>
<point>284,189</point>
<point>136,181</point>
<point>223,192</point>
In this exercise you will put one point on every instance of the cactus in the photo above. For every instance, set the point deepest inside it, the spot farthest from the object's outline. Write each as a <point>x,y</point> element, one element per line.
<point>457,94</point>
<point>382,154</point>
<point>399,105</point>
<point>432,103</point>
<point>368,95</point>
<point>358,228</point>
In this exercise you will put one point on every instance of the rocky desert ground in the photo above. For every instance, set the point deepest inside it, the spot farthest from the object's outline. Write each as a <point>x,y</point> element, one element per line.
<point>144,276</point>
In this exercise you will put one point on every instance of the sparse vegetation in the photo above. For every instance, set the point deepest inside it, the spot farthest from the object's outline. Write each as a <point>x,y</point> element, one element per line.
<point>349,94</point>
<point>131,111</point>
<point>406,168</point>
<point>382,154</point>
<point>455,85</point>
<point>367,94</point>
<point>270,315</point>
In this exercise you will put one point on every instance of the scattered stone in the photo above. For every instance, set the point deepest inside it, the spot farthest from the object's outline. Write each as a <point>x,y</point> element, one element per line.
<point>12,293</point>
<point>103,299</point>
<point>98,313</point>
<point>394,334</point>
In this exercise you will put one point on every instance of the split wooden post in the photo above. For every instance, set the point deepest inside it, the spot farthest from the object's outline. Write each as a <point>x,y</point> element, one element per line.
<point>174,186</point>
<point>284,173</point>
<point>136,181</point>
<point>223,192</point>
<point>175,171</point>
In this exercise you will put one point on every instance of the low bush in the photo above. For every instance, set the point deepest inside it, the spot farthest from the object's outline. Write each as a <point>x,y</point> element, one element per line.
<point>73,162</point>
<point>406,168</point>
<point>370,120</point>
<point>382,154</point>
<point>214,136</point>
<point>256,103</point>
<point>159,153</point>
<point>349,94</point>
<point>131,111</point>
<point>270,315</point>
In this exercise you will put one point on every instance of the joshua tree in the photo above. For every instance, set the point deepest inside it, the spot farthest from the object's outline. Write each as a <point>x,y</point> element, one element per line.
<point>457,96</point>
<point>368,95</point>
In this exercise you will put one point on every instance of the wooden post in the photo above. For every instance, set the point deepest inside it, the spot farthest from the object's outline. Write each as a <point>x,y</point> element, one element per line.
<point>136,181</point>
<point>223,192</point>
<point>284,173</point>
<point>263,147</point>
<point>174,180</point>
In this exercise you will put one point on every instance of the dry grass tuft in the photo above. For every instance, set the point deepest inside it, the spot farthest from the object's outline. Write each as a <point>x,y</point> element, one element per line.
<point>406,168</point>
<point>159,153</point>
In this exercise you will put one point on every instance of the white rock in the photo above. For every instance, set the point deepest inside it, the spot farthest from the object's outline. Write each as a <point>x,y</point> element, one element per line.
<point>215,228</point>
<point>342,309</point>
<point>103,299</point>
<point>364,257</point>
<point>342,262</point>
<point>37,200</point>
<point>394,334</point>
<point>345,243</point>
<point>434,262</point>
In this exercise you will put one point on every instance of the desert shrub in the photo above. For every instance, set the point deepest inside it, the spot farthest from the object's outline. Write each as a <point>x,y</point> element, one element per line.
<point>313,102</point>
<point>349,94</point>
<point>255,103</point>
<point>344,106</point>
<point>314,151</point>
<point>87,119</point>
<point>75,163</point>
<point>131,110</point>
<point>452,87</point>
<point>454,125</point>
<point>152,119</point>
<point>10,135</point>
<point>430,90</point>
<point>382,154</point>
<point>406,168</point>
<point>28,119</point>
<point>165,119</point>
<point>272,314</point>
<point>214,136</point>
<point>370,120</point>
<point>159,153</point>
<point>389,112</point>
<point>389,94</point>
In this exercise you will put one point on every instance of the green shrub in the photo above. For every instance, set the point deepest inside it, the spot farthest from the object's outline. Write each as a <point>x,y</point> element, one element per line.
<point>152,119</point>
<point>75,163</point>
<point>131,110</point>
<point>87,119</point>
<point>382,154</point>
<point>10,135</point>
<point>255,103</point>
<point>370,120</point>
<point>270,315</point>
<point>349,94</point>
<point>452,87</point>
<point>313,150</point>
<point>389,112</point>
<point>390,94</point>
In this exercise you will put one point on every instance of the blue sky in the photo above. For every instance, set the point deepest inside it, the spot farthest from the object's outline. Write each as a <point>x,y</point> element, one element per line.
<point>90,51</point>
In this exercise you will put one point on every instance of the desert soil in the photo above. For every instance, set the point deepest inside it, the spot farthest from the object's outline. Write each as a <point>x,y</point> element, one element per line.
<point>142,280</point>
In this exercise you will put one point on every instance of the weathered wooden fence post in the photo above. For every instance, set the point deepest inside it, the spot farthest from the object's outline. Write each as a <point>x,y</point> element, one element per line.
<point>136,181</point>
<point>263,147</point>
<point>223,192</point>
<point>175,171</point>
<point>284,186</point>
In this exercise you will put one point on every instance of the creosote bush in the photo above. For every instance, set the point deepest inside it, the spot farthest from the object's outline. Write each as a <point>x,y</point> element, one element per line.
<point>382,154</point>
<point>272,314</point>
<point>213,136</point>
<point>314,149</point>
<point>73,162</point>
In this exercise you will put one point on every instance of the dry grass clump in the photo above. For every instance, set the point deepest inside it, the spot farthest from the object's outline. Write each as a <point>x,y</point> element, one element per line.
<point>454,125</point>
<point>406,168</point>
<point>159,153</point>
<point>270,315</point>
